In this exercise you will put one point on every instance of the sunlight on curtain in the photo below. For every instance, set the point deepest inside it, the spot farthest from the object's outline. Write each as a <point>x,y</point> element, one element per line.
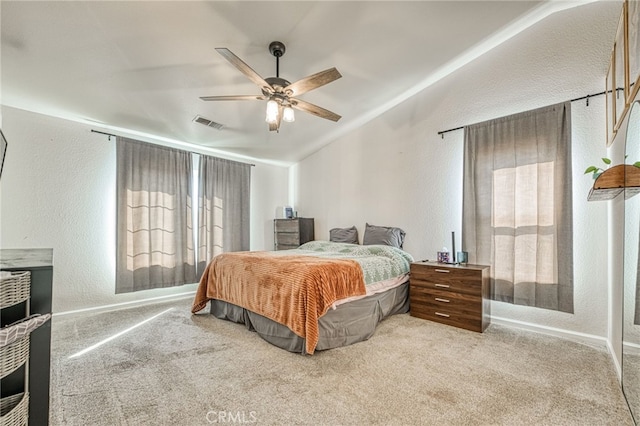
<point>147,223</point>
<point>223,212</point>
<point>155,245</point>
<point>213,225</point>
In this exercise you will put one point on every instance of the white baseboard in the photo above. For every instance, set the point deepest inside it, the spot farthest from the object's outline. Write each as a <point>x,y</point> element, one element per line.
<point>130,304</point>
<point>575,336</point>
<point>584,338</point>
<point>631,348</point>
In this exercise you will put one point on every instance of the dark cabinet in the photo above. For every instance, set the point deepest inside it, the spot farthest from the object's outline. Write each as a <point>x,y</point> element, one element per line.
<point>291,233</point>
<point>40,263</point>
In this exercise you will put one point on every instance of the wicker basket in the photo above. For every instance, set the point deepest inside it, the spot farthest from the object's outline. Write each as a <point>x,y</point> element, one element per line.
<point>13,356</point>
<point>14,410</point>
<point>15,288</point>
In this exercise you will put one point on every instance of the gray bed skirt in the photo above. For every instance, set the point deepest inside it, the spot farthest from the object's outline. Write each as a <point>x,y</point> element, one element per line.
<point>349,323</point>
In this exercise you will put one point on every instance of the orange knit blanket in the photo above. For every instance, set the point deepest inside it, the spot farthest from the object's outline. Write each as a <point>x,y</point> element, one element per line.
<point>291,290</point>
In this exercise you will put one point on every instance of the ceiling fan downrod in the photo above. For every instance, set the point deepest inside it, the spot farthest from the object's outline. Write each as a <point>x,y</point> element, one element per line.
<point>277,49</point>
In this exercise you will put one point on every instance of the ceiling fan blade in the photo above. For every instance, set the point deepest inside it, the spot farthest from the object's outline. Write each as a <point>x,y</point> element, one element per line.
<point>244,68</point>
<point>234,98</point>
<point>314,109</point>
<point>313,82</point>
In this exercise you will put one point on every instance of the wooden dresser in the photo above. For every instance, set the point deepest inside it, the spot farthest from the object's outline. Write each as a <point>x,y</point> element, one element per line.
<point>451,294</point>
<point>291,233</point>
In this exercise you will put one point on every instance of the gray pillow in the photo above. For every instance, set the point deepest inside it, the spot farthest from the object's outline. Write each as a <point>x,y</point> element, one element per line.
<point>387,235</point>
<point>344,235</point>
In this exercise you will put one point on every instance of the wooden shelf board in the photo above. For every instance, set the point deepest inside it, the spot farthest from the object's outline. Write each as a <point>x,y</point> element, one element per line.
<point>604,194</point>
<point>612,182</point>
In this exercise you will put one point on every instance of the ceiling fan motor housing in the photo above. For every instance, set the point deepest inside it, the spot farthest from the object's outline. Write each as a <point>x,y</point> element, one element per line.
<point>278,85</point>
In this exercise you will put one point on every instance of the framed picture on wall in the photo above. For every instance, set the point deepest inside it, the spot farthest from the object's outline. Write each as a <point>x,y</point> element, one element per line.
<point>633,47</point>
<point>611,104</point>
<point>620,69</point>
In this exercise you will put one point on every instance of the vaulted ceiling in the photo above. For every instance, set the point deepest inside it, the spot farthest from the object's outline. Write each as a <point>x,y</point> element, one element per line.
<point>143,66</point>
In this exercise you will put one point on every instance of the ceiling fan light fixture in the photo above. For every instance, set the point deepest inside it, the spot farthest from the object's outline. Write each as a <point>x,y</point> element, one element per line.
<point>272,111</point>
<point>282,95</point>
<point>288,115</point>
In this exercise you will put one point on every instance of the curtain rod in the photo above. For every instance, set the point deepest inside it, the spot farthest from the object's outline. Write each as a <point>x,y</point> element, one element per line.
<point>193,152</point>
<point>442,132</point>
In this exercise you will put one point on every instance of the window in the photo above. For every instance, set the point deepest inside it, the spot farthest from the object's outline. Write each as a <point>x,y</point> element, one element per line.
<point>155,219</point>
<point>517,210</point>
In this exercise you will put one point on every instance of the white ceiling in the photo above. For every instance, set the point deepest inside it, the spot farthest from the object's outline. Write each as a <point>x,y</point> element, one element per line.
<point>142,66</point>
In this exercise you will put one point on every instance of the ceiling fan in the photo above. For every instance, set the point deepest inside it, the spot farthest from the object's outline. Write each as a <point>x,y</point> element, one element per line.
<point>280,93</point>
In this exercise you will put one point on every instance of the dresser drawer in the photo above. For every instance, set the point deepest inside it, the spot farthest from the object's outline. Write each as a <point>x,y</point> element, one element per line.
<point>288,225</point>
<point>473,322</point>
<point>287,247</point>
<point>288,239</point>
<point>446,279</point>
<point>446,301</point>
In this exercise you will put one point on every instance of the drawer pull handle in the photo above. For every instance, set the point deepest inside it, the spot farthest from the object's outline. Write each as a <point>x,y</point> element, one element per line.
<point>442,315</point>
<point>439,299</point>
<point>446,271</point>
<point>442,285</point>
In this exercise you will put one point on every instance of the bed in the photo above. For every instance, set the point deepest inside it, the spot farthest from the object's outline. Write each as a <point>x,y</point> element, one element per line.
<point>319,296</point>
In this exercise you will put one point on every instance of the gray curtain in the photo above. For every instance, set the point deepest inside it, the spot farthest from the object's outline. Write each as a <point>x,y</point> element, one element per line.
<point>223,208</point>
<point>154,229</point>
<point>517,207</point>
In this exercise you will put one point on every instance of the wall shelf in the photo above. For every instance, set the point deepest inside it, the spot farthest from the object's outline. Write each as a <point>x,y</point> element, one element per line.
<point>612,182</point>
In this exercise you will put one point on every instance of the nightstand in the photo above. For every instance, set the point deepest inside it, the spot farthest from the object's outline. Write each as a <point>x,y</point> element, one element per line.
<point>456,295</point>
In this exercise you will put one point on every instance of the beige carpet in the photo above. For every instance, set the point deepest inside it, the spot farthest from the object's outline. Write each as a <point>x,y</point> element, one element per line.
<point>179,369</point>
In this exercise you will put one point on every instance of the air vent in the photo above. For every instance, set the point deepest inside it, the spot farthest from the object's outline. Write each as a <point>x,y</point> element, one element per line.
<point>207,122</point>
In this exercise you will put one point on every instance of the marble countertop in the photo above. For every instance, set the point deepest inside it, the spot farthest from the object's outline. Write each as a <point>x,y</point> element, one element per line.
<point>26,258</point>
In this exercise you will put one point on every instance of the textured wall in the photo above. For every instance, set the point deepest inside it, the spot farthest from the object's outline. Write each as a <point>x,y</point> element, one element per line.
<point>58,190</point>
<point>396,170</point>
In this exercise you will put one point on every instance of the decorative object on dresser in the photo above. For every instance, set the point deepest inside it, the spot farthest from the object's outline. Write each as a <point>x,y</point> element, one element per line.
<point>451,294</point>
<point>39,265</point>
<point>292,233</point>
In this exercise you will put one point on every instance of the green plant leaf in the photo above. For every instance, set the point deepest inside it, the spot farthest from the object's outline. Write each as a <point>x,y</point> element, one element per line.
<point>606,160</point>
<point>592,169</point>
<point>637,164</point>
